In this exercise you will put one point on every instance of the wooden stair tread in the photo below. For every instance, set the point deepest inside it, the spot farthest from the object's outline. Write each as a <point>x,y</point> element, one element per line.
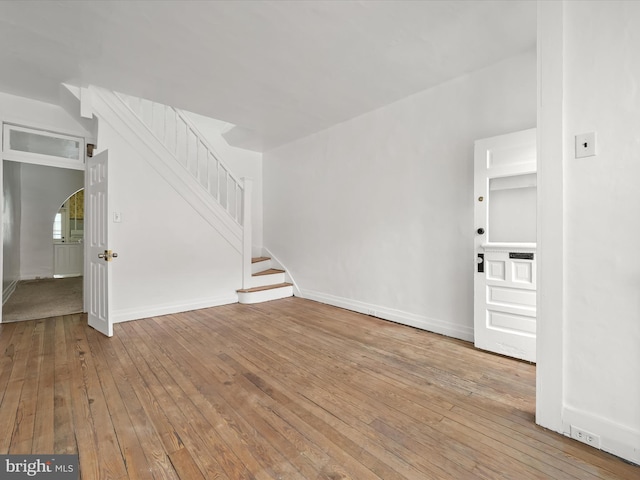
<point>259,259</point>
<point>265,287</point>
<point>271,271</point>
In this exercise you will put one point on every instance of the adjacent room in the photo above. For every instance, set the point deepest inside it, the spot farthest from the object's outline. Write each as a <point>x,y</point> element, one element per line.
<point>43,243</point>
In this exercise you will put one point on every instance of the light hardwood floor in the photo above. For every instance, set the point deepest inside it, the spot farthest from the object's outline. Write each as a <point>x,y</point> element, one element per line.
<point>290,389</point>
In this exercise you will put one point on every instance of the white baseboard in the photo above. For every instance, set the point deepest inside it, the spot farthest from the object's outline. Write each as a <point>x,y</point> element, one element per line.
<point>418,321</point>
<point>616,439</point>
<point>35,277</point>
<point>7,292</point>
<point>126,315</point>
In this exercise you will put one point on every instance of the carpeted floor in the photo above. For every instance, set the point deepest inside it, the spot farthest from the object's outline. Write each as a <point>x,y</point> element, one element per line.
<point>35,299</point>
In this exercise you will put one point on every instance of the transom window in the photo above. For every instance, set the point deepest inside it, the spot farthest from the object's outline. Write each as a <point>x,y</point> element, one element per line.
<point>29,145</point>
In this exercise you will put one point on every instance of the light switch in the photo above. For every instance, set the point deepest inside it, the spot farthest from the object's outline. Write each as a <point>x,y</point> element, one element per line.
<point>117,217</point>
<point>586,145</point>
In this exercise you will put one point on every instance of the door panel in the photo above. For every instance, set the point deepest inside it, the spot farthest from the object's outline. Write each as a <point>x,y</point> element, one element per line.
<point>505,248</point>
<point>97,238</point>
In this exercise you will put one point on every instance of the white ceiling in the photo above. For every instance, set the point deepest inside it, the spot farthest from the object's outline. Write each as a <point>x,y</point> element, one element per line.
<point>279,70</point>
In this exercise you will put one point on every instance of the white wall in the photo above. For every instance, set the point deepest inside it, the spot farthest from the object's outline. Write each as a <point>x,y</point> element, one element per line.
<point>377,213</point>
<point>11,215</point>
<point>170,259</point>
<point>32,113</point>
<point>241,162</point>
<point>602,223</point>
<point>44,190</point>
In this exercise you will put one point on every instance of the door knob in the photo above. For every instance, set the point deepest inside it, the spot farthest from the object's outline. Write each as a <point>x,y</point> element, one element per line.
<point>480,231</point>
<point>108,255</point>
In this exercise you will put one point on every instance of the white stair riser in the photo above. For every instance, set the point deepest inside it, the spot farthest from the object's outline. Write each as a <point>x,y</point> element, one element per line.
<point>265,295</point>
<point>260,266</point>
<point>263,280</point>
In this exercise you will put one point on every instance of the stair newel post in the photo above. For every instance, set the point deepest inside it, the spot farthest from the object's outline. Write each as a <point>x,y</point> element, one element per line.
<point>246,231</point>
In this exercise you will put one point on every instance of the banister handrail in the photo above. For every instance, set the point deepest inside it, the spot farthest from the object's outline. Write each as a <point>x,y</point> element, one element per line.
<point>234,206</point>
<point>204,140</point>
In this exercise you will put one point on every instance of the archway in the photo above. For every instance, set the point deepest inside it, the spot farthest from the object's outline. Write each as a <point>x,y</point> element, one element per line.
<point>68,237</point>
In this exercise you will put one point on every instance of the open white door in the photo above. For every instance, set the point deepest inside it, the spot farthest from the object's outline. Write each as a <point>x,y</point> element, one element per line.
<point>505,245</point>
<point>98,255</point>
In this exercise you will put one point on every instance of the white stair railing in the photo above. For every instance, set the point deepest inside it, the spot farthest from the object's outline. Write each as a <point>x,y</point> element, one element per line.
<point>182,140</point>
<point>190,149</point>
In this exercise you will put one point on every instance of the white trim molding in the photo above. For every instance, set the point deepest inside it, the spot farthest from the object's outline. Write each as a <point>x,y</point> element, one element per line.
<point>509,247</point>
<point>550,366</point>
<point>126,315</point>
<point>40,158</point>
<point>405,318</point>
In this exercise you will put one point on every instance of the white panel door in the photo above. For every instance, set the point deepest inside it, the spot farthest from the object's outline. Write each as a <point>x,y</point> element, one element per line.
<point>96,238</point>
<point>505,245</point>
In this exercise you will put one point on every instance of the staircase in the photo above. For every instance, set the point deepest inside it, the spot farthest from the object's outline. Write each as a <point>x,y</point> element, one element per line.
<point>188,162</point>
<point>268,283</point>
<point>189,148</point>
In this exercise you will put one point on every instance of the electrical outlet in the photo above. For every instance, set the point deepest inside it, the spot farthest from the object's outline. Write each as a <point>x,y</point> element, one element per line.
<point>585,437</point>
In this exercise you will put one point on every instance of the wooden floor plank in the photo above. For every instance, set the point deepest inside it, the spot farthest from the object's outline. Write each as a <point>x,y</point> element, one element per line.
<point>497,434</point>
<point>43,435</point>
<point>361,396</point>
<point>204,416</point>
<point>95,436</point>
<point>9,332</point>
<point>247,406</point>
<point>182,430</point>
<point>119,400</point>
<point>20,355</point>
<point>289,389</point>
<point>257,455</point>
<point>22,437</point>
<point>344,433</point>
<point>184,464</point>
<point>63,415</point>
<point>256,403</point>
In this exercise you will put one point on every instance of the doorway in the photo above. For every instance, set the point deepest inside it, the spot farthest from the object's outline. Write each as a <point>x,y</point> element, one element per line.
<point>505,280</point>
<point>34,195</point>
